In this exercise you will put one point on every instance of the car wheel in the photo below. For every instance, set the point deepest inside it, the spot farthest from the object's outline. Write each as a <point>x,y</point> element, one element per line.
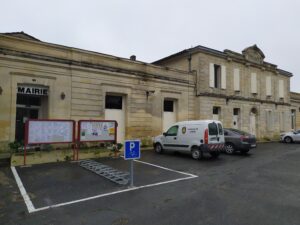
<point>288,140</point>
<point>158,148</point>
<point>229,148</point>
<point>196,153</point>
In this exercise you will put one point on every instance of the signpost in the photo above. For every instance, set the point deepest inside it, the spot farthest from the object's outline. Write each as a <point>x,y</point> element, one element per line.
<point>132,151</point>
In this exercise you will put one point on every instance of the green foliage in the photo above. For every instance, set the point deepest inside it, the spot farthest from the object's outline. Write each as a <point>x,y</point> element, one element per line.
<point>146,141</point>
<point>14,146</point>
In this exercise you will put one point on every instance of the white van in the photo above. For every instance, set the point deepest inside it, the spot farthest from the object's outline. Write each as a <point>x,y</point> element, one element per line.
<point>197,137</point>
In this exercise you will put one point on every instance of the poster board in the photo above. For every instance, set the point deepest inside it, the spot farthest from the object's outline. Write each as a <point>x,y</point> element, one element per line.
<point>49,131</point>
<point>97,130</point>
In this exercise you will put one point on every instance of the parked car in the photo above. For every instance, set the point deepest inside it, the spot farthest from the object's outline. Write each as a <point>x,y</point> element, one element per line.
<point>237,140</point>
<point>290,137</point>
<point>197,137</point>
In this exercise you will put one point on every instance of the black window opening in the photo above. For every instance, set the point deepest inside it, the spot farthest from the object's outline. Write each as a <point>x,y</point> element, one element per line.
<point>168,106</point>
<point>216,110</point>
<point>28,100</point>
<point>236,111</point>
<point>113,102</point>
<point>217,70</point>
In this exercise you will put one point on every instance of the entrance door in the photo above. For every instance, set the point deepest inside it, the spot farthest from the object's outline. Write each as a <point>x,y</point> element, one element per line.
<point>114,110</point>
<point>169,115</point>
<point>253,123</point>
<point>22,115</point>
<point>236,118</point>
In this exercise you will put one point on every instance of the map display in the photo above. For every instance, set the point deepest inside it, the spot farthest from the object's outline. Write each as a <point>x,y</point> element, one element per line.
<point>50,132</point>
<point>97,130</point>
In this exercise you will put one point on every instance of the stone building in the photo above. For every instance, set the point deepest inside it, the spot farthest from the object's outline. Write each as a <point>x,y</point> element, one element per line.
<point>49,81</point>
<point>241,90</point>
<point>295,111</point>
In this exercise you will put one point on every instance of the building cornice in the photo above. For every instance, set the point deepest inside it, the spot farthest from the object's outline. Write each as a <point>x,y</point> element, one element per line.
<point>232,97</point>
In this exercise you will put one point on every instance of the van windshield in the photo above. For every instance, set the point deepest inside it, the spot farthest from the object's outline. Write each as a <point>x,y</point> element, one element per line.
<point>212,129</point>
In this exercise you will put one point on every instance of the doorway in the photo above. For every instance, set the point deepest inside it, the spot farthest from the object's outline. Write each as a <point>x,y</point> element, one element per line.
<point>253,118</point>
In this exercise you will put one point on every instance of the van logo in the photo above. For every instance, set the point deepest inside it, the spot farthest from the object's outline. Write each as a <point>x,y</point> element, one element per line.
<point>183,130</point>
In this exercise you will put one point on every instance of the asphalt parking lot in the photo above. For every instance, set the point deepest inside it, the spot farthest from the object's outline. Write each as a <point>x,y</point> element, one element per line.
<point>259,188</point>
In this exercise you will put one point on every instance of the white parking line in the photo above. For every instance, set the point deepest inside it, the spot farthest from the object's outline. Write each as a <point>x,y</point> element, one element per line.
<point>31,208</point>
<point>24,194</point>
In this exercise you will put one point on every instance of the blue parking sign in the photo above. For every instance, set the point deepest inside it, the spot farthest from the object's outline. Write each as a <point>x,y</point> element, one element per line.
<point>132,149</point>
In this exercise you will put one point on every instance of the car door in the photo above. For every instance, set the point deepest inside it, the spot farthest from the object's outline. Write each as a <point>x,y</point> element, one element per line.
<point>297,135</point>
<point>170,139</point>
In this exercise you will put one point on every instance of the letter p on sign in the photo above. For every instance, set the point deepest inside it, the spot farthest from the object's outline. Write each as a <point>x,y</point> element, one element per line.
<point>132,149</point>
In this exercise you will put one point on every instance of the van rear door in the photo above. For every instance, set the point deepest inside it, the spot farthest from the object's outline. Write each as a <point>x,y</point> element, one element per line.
<point>213,134</point>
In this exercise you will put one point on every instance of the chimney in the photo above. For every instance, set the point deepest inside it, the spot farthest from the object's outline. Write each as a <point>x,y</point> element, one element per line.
<point>133,57</point>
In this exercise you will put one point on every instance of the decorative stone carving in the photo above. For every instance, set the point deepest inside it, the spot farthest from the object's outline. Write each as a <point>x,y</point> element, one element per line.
<point>253,54</point>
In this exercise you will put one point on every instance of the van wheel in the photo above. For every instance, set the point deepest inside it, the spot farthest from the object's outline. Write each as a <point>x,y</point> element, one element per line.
<point>196,153</point>
<point>229,148</point>
<point>158,148</point>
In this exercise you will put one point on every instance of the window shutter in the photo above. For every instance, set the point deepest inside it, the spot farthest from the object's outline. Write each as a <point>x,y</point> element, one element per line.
<point>280,89</point>
<point>211,75</point>
<point>236,79</point>
<point>253,83</point>
<point>268,86</point>
<point>223,77</point>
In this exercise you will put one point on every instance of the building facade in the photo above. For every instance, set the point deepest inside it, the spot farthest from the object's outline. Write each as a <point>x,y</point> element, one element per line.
<point>48,81</point>
<point>295,111</point>
<point>241,90</point>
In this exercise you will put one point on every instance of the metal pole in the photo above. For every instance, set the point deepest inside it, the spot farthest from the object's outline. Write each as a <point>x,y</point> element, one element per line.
<point>131,173</point>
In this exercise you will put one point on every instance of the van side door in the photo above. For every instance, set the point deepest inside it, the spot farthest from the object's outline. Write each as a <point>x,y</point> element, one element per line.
<point>170,139</point>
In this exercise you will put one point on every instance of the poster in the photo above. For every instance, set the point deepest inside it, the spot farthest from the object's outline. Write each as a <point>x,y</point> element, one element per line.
<point>50,131</point>
<point>97,130</point>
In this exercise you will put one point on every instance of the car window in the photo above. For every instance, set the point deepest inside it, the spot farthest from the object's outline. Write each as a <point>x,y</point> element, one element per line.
<point>172,131</point>
<point>212,129</point>
<point>240,132</point>
<point>220,128</point>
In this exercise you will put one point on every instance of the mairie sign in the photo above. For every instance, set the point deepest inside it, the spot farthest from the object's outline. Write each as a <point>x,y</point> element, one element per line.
<point>132,149</point>
<point>32,90</point>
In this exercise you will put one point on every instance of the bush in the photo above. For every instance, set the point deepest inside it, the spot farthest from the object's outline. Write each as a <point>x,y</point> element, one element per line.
<point>14,146</point>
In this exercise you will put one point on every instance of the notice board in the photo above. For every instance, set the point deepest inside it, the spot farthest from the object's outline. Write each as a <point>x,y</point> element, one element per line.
<point>97,130</point>
<point>50,131</point>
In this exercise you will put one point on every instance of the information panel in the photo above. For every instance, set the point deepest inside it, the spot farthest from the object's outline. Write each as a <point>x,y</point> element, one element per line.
<point>97,130</point>
<point>50,131</point>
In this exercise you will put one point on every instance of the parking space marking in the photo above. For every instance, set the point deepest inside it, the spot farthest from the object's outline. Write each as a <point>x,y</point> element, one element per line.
<point>32,209</point>
<point>23,192</point>
<point>165,168</point>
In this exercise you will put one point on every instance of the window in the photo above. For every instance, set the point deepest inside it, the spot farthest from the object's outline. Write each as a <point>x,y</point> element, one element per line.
<point>113,102</point>
<point>172,131</point>
<point>268,86</point>
<point>236,79</point>
<point>280,89</point>
<point>220,128</point>
<point>168,106</point>
<point>217,76</point>
<point>236,111</point>
<point>212,129</point>
<point>293,119</point>
<point>216,110</point>
<point>253,83</point>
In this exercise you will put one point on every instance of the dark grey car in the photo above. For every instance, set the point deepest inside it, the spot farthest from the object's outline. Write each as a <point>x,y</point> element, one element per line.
<point>237,140</point>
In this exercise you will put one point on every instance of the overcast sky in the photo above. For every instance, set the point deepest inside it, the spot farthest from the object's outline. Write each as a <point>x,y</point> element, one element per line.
<point>157,28</point>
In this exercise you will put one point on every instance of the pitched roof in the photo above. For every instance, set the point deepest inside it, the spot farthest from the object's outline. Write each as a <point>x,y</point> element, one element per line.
<point>21,35</point>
